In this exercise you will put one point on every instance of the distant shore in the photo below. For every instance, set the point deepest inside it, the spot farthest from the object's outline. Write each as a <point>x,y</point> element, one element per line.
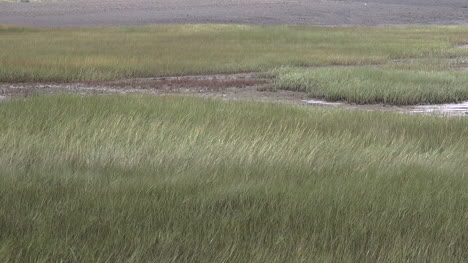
<point>80,13</point>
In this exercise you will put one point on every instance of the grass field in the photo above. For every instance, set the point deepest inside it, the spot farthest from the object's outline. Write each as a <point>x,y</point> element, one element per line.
<point>172,179</point>
<point>180,179</point>
<point>82,54</point>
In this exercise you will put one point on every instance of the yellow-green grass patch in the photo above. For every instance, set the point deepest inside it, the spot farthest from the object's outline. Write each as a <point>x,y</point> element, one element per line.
<point>81,54</point>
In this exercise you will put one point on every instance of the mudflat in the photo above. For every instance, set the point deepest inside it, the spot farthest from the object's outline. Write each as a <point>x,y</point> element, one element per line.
<point>76,13</point>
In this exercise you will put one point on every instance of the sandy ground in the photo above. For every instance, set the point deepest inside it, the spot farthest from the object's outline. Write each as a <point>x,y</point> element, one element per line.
<point>75,13</point>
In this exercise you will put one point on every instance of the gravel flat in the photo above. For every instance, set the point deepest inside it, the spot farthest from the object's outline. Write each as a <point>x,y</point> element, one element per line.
<point>78,13</point>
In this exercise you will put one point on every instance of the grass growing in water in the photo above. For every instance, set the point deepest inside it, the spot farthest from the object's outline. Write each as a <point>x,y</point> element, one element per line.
<point>170,179</point>
<point>376,85</point>
<point>82,54</point>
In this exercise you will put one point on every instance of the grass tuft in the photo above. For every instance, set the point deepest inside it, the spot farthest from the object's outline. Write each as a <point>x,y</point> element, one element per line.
<point>367,85</point>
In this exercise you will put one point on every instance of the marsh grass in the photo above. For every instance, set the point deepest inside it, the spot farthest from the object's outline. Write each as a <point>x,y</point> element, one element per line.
<point>82,54</point>
<point>367,85</point>
<point>171,179</point>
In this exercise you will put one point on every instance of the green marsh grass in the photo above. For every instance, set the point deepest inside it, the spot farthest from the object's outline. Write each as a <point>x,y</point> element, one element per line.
<point>367,85</point>
<point>83,54</point>
<point>172,179</point>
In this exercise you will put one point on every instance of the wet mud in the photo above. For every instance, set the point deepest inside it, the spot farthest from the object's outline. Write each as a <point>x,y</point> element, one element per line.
<point>243,86</point>
<point>454,109</point>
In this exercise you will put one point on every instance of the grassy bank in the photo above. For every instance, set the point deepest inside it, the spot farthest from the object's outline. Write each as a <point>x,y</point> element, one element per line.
<point>366,85</point>
<point>81,54</point>
<point>140,179</point>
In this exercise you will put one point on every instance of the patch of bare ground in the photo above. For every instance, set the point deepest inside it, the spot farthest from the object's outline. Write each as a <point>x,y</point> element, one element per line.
<point>202,83</point>
<point>450,110</point>
<point>462,67</point>
<point>242,86</point>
